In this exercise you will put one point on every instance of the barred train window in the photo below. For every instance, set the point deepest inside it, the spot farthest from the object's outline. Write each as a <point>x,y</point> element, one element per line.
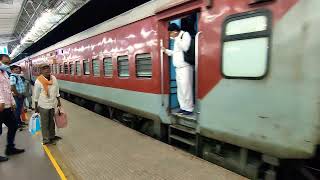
<point>86,69</point>
<point>144,65</point>
<point>53,68</point>
<point>108,67</point>
<point>57,68</point>
<point>71,69</point>
<point>66,69</point>
<point>245,46</point>
<point>96,67</point>
<point>61,69</point>
<point>123,66</point>
<point>78,68</point>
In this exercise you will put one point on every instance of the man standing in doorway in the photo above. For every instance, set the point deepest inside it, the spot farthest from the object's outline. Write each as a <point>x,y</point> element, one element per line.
<point>7,105</point>
<point>47,98</point>
<point>184,71</point>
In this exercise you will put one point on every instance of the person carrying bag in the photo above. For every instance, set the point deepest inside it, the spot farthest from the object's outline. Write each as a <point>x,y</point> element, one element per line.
<point>47,98</point>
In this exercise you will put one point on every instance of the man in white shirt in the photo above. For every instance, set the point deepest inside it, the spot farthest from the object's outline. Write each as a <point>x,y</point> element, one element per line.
<point>47,98</point>
<point>184,71</point>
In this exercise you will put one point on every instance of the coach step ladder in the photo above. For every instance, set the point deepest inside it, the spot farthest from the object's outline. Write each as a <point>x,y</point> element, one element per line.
<point>185,136</point>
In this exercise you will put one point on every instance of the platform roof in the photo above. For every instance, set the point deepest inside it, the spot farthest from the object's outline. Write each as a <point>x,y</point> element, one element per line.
<point>24,22</point>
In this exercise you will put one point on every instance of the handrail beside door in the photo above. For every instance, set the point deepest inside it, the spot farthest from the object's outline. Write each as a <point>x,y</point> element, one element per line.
<point>162,72</point>
<point>197,71</point>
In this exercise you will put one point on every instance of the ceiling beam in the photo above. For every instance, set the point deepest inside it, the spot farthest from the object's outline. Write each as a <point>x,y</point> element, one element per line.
<point>19,16</point>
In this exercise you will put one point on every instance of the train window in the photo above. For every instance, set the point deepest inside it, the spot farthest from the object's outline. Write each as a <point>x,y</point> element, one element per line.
<point>55,69</point>
<point>96,67</point>
<point>123,66</point>
<point>86,69</point>
<point>60,69</point>
<point>51,68</point>
<point>78,68</point>
<point>246,45</point>
<point>71,69</point>
<point>66,68</point>
<point>144,65</point>
<point>108,67</point>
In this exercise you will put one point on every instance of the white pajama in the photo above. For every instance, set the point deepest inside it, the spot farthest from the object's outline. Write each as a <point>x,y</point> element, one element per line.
<point>184,77</point>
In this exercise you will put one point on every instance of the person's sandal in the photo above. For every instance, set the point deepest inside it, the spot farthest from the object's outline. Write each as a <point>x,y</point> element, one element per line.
<point>56,138</point>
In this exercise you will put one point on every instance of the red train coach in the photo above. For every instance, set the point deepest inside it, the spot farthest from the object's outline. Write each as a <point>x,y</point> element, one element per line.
<point>256,86</point>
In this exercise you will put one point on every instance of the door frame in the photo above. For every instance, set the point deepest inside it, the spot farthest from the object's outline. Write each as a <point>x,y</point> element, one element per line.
<point>163,18</point>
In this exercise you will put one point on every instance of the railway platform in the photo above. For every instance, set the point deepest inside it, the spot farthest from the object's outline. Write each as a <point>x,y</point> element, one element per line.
<point>94,147</point>
<point>34,164</point>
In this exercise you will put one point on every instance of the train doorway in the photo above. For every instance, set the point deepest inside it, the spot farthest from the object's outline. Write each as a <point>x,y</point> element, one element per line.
<point>188,23</point>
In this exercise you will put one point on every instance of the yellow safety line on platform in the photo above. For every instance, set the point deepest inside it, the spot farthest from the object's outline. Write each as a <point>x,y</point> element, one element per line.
<point>54,163</point>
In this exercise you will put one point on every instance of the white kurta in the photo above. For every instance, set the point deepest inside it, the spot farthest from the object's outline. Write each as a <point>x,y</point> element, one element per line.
<point>40,96</point>
<point>184,71</point>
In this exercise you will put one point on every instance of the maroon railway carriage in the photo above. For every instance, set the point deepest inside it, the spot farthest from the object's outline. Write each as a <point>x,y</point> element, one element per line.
<point>256,81</point>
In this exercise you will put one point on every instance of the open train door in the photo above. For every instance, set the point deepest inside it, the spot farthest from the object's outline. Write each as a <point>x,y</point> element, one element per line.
<point>186,15</point>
